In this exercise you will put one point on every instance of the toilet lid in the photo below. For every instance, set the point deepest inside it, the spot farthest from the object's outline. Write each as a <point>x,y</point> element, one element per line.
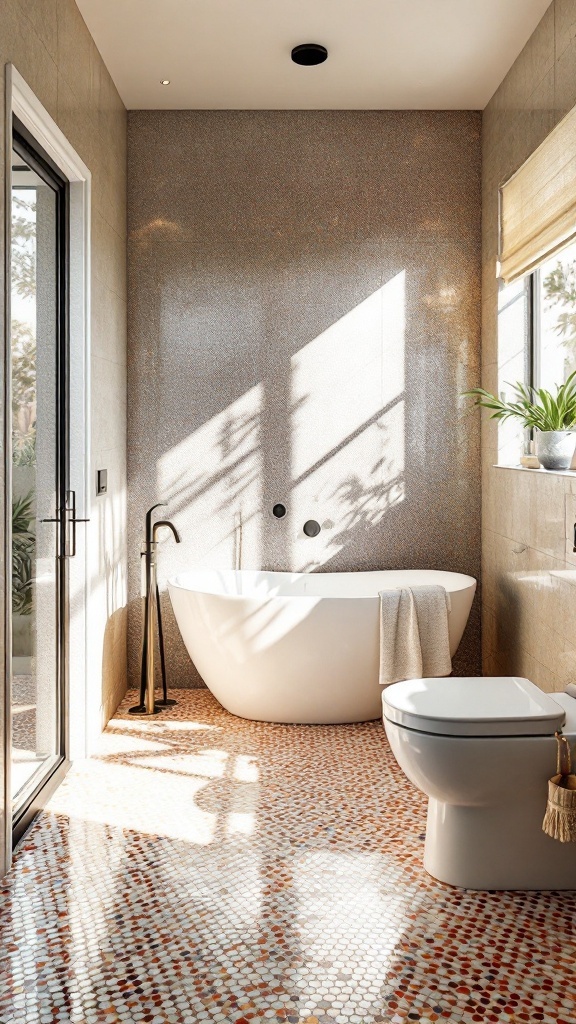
<point>480,706</point>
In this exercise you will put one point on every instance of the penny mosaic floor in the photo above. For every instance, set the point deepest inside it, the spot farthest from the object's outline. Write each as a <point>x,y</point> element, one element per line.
<point>205,868</point>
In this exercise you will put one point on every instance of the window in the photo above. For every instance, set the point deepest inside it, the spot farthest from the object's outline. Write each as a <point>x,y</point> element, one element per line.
<point>554,320</point>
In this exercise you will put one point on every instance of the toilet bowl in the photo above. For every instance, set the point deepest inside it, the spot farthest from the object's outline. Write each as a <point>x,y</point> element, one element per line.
<point>482,750</point>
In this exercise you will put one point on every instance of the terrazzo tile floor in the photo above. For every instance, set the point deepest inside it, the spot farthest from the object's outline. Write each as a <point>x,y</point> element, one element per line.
<point>206,868</point>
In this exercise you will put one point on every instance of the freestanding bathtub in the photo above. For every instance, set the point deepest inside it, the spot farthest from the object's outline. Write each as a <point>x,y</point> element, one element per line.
<point>286,647</point>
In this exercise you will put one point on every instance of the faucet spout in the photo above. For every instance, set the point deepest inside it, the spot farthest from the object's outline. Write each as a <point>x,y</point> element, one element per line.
<point>165,522</point>
<point>159,504</point>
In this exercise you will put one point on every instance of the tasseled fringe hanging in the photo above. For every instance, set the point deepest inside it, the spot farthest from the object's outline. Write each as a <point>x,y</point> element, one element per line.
<point>560,818</point>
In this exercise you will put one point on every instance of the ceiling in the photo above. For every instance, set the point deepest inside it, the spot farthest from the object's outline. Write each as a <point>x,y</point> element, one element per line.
<point>383,54</point>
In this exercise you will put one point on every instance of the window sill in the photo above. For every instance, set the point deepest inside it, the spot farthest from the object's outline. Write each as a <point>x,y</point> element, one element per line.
<point>540,471</point>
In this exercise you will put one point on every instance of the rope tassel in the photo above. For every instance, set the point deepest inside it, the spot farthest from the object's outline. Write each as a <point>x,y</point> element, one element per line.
<point>560,818</point>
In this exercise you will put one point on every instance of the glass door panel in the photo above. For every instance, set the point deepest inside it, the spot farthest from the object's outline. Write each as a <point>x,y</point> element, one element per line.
<point>38,475</point>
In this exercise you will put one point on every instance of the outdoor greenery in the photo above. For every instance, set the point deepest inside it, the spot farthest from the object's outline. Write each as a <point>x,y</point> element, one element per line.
<point>23,394</point>
<point>560,289</point>
<point>23,543</point>
<point>534,407</point>
<point>23,379</point>
<point>23,255</point>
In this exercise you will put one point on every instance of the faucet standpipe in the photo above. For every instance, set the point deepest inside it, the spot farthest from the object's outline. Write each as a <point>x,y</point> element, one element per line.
<point>147,705</point>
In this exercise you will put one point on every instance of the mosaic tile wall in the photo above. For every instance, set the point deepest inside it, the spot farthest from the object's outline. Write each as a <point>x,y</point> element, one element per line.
<point>206,869</point>
<point>529,612</point>
<point>49,44</point>
<point>304,313</point>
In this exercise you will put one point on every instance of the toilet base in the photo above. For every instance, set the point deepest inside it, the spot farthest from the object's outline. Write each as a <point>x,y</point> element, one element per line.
<point>496,847</point>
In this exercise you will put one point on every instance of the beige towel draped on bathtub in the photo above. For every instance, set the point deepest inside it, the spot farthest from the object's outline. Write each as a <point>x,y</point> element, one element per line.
<point>414,641</point>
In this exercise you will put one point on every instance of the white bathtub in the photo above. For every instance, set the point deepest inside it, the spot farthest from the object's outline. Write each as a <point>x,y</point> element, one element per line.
<point>284,647</point>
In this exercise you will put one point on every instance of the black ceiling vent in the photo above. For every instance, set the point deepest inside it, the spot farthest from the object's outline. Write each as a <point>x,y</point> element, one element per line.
<point>309,54</point>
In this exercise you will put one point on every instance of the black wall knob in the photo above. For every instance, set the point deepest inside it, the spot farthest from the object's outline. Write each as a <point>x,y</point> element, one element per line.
<point>311,528</point>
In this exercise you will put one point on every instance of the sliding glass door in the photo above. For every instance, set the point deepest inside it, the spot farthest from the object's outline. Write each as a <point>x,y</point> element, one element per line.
<point>39,472</point>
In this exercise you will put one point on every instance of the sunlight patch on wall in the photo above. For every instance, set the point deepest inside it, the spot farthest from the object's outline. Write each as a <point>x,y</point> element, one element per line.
<point>348,423</point>
<point>213,481</point>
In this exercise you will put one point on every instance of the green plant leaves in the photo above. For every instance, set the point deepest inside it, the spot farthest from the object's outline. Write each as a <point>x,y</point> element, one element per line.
<point>23,544</point>
<point>538,409</point>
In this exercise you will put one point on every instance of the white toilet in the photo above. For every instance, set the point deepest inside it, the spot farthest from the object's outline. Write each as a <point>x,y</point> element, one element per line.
<point>482,750</point>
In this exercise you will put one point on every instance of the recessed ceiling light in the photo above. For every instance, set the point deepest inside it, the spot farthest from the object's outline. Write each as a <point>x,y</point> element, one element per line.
<point>309,54</point>
<point>164,81</point>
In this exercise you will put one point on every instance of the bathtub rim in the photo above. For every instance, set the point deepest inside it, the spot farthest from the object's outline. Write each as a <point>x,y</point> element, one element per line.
<point>468,582</point>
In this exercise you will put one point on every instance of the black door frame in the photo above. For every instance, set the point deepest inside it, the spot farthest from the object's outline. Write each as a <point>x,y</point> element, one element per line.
<point>26,146</point>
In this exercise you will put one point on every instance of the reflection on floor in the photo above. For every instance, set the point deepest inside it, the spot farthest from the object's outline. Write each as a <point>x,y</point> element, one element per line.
<point>205,868</point>
<point>25,760</point>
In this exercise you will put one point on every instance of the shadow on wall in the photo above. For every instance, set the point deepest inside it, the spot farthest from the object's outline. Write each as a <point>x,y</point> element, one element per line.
<point>278,356</point>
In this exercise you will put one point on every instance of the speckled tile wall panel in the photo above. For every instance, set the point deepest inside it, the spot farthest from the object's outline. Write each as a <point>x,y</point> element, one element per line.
<point>203,868</point>
<point>304,312</point>
<point>529,613</point>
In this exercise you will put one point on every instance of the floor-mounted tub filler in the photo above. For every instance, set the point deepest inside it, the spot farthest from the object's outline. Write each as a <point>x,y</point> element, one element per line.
<point>295,647</point>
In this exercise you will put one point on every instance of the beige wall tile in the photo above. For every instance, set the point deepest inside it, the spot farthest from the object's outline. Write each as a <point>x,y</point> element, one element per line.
<point>78,127</point>
<point>541,108</point>
<point>490,379</point>
<point>108,387</point>
<point>109,315</point>
<point>109,263</point>
<point>43,17</point>
<point>538,56</point>
<point>565,25</point>
<point>547,513</point>
<point>565,88</point>
<point>21,46</point>
<point>74,51</point>
<point>489,632</point>
<point>489,331</point>
<point>530,668</point>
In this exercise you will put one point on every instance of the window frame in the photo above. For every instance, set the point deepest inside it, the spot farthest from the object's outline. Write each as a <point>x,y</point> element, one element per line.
<point>533,330</point>
<point>533,325</point>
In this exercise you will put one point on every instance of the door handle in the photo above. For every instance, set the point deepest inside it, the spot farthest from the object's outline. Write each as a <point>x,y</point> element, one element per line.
<point>72,520</point>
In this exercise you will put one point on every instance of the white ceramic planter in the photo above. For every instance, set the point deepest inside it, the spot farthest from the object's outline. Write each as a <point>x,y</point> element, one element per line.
<point>555,448</point>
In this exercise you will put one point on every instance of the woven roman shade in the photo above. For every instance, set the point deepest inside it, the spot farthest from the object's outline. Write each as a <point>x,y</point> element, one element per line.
<point>538,204</point>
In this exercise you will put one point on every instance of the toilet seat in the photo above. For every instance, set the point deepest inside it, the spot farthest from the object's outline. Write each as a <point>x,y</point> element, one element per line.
<point>473,706</point>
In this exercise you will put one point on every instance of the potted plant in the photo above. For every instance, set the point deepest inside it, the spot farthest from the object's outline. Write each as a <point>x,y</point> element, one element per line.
<point>552,416</point>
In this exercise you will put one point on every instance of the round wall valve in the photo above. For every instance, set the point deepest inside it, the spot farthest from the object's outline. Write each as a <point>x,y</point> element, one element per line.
<point>311,528</point>
<point>279,511</point>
